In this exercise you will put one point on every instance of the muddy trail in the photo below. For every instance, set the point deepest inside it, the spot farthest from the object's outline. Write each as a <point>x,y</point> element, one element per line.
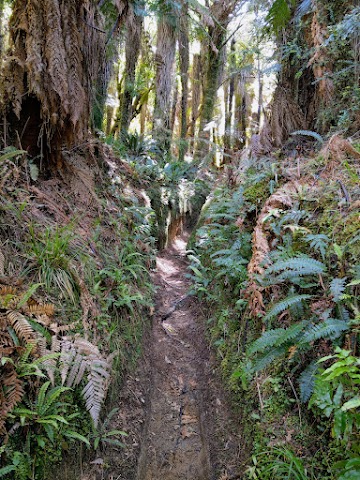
<point>187,435</point>
<point>180,423</point>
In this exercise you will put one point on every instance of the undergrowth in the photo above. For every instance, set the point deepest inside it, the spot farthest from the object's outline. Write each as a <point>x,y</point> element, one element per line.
<point>276,258</point>
<point>75,295</point>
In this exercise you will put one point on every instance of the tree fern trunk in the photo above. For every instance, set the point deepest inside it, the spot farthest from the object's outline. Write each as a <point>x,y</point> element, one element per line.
<point>55,56</point>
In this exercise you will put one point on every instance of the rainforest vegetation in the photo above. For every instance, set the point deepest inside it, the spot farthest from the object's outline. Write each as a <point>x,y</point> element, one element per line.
<point>126,125</point>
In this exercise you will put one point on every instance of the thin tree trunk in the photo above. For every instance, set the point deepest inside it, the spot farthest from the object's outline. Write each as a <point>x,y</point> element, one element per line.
<point>230,100</point>
<point>195,96</point>
<point>184,53</point>
<point>174,108</point>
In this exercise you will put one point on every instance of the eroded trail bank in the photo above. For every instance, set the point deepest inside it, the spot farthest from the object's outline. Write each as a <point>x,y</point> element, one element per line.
<point>188,433</point>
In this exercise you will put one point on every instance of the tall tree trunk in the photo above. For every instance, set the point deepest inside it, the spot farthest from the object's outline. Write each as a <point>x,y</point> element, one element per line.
<point>184,53</point>
<point>220,11</point>
<point>242,110</point>
<point>195,96</point>
<point>165,57</point>
<point>321,63</point>
<point>2,33</point>
<point>132,52</point>
<point>174,109</point>
<point>229,100</point>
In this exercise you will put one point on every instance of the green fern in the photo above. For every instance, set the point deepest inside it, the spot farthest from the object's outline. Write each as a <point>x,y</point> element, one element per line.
<point>319,243</point>
<point>277,337</point>
<point>309,133</point>
<point>285,304</point>
<point>294,268</point>
<point>307,381</point>
<point>330,328</point>
<point>265,360</point>
<point>337,288</point>
<point>279,15</point>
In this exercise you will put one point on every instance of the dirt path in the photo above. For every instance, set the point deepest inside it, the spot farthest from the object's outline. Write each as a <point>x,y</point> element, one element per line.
<point>187,434</point>
<point>174,407</point>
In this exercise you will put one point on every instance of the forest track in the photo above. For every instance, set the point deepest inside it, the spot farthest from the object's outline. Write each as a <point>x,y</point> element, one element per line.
<point>188,426</point>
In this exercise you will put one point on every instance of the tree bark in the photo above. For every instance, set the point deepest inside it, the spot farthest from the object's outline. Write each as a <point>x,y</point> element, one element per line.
<point>165,57</point>
<point>56,52</point>
<point>132,52</point>
<point>184,52</point>
<point>220,12</point>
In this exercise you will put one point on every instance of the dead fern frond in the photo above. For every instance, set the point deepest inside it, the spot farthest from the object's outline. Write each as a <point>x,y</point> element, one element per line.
<point>22,327</point>
<point>12,392</point>
<point>41,309</point>
<point>261,246</point>
<point>7,290</point>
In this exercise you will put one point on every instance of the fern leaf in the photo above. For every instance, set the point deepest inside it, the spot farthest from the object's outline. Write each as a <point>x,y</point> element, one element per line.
<point>276,337</point>
<point>307,381</point>
<point>309,133</point>
<point>296,267</point>
<point>265,360</point>
<point>267,340</point>
<point>285,304</point>
<point>291,333</point>
<point>22,327</point>
<point>337,288</point>
<point>331,328</point>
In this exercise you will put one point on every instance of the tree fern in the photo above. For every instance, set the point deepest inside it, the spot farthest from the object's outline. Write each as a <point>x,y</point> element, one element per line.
<point>284,304</point>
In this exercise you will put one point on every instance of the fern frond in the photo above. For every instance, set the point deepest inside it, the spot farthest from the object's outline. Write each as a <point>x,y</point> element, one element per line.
<point>265,360</point>
<point>267,340</point>
<point>78,357</point>
<point>337,288</point>
<point>95,390</point>
<point>285,304</point>
<point>309,133</point>
<point>330,328</point>
<point>277,337</point>
<point>22,327</point>
<point>307,381</point>
<point>296,267</point>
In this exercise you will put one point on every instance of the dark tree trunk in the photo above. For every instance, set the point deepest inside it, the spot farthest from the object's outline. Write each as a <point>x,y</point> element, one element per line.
<point>132,52</point>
